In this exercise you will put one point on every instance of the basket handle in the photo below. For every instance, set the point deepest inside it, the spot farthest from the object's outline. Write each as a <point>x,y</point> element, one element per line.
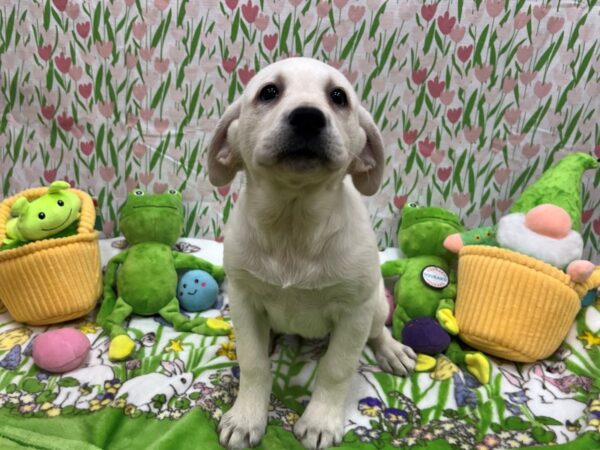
<point>87,218</point>
<point>593,282</point>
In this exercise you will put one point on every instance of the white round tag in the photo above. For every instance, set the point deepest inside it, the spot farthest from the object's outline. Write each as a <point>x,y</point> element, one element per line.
<point>435,277</point>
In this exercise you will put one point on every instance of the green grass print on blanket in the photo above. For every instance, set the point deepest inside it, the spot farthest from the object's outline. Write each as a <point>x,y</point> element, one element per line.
<point>112,429</point>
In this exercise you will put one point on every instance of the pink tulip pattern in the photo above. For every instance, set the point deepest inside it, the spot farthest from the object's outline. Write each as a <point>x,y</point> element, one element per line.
<point>473,104</point>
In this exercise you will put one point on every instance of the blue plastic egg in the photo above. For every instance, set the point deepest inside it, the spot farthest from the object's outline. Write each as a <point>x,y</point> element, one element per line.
<point>197,291</point>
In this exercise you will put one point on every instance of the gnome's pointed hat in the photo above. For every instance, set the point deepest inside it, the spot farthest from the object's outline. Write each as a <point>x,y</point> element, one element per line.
<point>560,185</point>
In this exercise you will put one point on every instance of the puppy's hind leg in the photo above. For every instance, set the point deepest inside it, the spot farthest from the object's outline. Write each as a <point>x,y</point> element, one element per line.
<point>392,356</point>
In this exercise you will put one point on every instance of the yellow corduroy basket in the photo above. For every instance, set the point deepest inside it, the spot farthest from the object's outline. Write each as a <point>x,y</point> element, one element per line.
<point>51,280</point>
<point>513,306</point>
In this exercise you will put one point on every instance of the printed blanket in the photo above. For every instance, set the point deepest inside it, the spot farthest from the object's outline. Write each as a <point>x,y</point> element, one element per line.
<point>552,402</point>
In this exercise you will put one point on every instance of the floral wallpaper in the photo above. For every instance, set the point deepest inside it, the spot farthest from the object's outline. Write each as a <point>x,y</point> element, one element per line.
<point>475,98</point>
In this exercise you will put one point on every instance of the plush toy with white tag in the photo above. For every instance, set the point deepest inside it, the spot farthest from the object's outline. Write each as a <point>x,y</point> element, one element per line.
<point>425,292</point>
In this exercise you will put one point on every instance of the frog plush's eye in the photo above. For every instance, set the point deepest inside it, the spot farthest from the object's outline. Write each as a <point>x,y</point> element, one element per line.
<point>138,192</point>
<point>41,216</point>
<point>60,203</point>
<point>477,237</point>
<point>173,191</point>
<point>413,205</point>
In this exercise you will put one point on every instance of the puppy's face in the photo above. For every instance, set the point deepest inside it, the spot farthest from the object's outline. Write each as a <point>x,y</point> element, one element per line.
<point>299,121</point>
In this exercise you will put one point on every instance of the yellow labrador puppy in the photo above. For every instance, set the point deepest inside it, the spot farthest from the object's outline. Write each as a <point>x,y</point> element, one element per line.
<point>300,254</point>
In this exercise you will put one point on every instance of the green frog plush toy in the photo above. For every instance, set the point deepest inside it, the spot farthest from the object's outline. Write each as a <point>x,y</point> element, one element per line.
<point>145,274</point>
<point>424,294</point>
<point>44,217</point>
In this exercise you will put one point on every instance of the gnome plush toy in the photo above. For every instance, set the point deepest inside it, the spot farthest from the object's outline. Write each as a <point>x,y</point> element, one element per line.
<point>544,222</point>
<point>545,233</point>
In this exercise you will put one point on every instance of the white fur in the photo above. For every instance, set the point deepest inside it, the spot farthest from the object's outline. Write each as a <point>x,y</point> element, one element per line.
<point>512,233</point>
<point>300,254</point>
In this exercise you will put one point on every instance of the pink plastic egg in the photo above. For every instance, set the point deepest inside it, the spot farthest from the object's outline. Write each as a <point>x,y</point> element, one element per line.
<point>390,301</point>
<point>60,350</point>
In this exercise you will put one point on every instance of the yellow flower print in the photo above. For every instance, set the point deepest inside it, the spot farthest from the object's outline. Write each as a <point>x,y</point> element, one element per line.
<point>589,339</point>
<point>370,406</point>
<point>130,410</point>
<point>53,412</point>
<point>227,349</point>
<point>119,403</point>
<point>46,406</point>
<point>10,338</point>
<point>95,405</point>
<point>595,405</point>
<point>109,385</point>
<point>28,407</point>
<point>88,327</point>
<point>174,346</point>
<point>291,417</point>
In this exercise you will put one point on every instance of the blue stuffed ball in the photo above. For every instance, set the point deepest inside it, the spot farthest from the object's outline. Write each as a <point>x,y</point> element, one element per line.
<point>197,291</point>
<point>425,335</point>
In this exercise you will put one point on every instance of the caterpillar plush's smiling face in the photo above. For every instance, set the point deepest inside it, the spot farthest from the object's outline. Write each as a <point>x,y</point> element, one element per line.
<point>48,214</point>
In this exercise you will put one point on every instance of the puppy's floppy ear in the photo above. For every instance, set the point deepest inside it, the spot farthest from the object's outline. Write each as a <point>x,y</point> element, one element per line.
<point>223,160</point>
<point>367,167</point>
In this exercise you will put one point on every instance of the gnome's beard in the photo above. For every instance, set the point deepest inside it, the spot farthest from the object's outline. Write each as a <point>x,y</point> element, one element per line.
<point>512,233</point>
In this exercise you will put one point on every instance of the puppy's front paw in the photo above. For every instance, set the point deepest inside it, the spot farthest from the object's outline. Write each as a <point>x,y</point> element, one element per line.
<point>319,427</point>
<point>241,428</point>
<point>396,358</point>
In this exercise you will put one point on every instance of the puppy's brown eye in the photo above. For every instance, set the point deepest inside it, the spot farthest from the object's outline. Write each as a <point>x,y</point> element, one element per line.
<point>268,93</point>
<point>338,96</point>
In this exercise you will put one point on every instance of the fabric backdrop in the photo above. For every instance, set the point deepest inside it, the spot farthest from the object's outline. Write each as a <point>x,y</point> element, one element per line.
<point>474,98</point>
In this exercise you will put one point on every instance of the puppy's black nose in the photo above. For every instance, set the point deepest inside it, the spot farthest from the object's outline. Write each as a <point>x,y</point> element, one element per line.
<point>307,121</point>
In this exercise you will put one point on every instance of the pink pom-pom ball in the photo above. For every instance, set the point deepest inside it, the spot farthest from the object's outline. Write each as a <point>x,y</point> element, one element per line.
<point>60,350</point>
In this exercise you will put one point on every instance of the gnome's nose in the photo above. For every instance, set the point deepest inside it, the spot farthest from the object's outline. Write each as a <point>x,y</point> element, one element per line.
<point>549,220</point>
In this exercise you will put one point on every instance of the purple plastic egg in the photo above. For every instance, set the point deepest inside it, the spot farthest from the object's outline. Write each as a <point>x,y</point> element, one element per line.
<point>425,335</point>
<point>61,350</point>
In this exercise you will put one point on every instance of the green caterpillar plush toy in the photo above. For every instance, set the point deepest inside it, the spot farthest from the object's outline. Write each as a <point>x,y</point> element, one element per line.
<point>425,292</point>
<point>146,281</point>
<point>43,217</point>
